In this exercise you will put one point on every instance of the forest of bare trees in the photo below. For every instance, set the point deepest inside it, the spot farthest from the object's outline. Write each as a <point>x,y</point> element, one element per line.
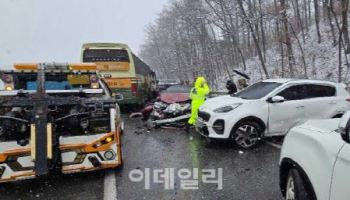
<point>213,37</point>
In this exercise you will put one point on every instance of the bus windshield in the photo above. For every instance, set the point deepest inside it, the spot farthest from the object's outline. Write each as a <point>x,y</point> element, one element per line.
<point>105,55</point>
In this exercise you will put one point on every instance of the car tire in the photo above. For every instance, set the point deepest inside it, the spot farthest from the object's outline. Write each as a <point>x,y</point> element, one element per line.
<point>295,186</point>
<point>246,134</point>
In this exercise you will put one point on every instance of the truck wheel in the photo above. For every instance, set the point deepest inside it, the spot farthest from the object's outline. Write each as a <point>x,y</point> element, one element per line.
<point>246,134</point>
<point>295,187</point>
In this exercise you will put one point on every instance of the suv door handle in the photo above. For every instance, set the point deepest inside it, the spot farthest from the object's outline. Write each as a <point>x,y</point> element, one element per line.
<point>333,103</point>
<point>300,107</point>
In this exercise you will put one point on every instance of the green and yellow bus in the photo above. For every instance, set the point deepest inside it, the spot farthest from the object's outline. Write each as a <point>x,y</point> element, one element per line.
<point>123,71</point>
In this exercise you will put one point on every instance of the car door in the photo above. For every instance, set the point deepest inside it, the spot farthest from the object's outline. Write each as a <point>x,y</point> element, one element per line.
<point>320,101</point>
<point>341,175</point>
<point>285,115</point>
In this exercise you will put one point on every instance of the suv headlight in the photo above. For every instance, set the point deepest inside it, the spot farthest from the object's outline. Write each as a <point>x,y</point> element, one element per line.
<point>226,109</point>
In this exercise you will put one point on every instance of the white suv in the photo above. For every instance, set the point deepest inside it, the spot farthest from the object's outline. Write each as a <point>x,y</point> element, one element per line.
<point>270,108</point>
<point>315,160</point>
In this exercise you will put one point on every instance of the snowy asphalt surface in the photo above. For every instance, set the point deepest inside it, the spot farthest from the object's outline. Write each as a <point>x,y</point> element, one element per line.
<point>246,175</point>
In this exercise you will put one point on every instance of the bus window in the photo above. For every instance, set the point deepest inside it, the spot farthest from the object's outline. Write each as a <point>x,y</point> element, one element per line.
<point>105,55</point>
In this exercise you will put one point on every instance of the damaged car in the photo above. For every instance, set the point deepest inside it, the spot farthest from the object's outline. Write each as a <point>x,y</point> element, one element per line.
<point>172,108</point>
<point>57,118</point>
<point>270,108</point>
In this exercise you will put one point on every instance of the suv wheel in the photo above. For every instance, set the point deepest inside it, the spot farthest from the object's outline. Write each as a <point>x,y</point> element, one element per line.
<point>295,187</point>
<point>246,134</point>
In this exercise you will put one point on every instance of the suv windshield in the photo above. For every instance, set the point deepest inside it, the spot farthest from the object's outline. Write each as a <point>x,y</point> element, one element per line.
<point>257,90</point>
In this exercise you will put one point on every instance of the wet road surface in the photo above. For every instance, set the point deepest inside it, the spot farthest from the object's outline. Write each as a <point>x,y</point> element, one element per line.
<point>246,175</point>
<point>83,186</point>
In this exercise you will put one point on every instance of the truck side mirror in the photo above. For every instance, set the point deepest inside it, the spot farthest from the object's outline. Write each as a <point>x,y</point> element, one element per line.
<point>344,127</point>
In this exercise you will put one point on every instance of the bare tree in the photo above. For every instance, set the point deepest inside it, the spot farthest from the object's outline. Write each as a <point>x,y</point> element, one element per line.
<point>327,4</point>
<point>344,30</point>
<point>256,42</point>
<point>317,20</point>
<point>213,37</point>
<point>287,38</point>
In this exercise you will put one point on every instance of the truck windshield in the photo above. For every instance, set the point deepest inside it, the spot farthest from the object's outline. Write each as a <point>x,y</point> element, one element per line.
<point>257,90</point>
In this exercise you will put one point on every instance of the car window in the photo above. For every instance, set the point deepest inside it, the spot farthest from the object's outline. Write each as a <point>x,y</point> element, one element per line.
<point>257,90</point>
<point>296,92</point>
<point>315,91</point>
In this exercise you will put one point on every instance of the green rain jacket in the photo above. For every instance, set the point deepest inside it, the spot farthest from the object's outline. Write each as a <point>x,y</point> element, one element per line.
<point>198,95</point>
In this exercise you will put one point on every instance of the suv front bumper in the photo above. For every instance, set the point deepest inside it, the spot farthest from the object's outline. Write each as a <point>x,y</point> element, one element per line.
<point>206,127</point>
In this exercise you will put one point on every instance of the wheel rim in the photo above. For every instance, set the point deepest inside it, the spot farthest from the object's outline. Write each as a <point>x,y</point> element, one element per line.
<point>246,136</point>
<point>290,195</point>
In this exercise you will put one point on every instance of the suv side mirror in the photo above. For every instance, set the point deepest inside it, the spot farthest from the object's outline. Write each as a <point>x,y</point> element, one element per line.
<point>276,99</point>
<point>344,127</point>
<point>118,96</point>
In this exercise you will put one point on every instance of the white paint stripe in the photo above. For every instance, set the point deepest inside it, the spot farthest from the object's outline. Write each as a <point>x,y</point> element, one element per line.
<point>273,144</point>
<point>110,185</point>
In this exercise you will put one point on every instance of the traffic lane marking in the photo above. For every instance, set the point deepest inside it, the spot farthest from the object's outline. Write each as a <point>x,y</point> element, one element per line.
<point>110,185</point>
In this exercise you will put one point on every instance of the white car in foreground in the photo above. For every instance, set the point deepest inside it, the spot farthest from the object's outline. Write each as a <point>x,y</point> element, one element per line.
<point>270,108</point>
<point>315,160</point>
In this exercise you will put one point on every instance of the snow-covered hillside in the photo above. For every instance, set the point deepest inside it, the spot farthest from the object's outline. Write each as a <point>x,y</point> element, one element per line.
<point>321,59</point>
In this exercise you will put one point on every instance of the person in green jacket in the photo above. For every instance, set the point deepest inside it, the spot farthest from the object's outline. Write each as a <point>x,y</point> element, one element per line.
<point>197,95</point>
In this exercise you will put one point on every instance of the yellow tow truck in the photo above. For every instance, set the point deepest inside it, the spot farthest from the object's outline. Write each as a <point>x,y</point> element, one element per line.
<point>57,118</point>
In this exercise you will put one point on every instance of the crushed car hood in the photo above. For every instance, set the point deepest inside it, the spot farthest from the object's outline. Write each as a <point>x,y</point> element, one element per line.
<point>220,101</point>
<point>170,98</point>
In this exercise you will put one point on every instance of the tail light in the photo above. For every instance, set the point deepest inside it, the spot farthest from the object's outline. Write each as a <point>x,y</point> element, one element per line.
<point>134,87</point>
